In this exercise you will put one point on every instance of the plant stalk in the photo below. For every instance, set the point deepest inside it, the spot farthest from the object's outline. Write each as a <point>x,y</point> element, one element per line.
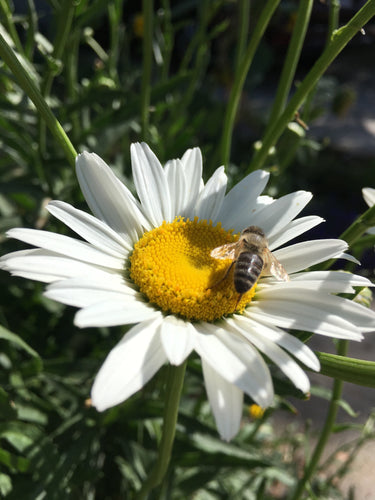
<point>32,91</point>
<point>172,394</point>
<point>292,58</point>
<point>64,25</point>
<point>148,17</point>
<point>330,420</point>
<point>240,77</point>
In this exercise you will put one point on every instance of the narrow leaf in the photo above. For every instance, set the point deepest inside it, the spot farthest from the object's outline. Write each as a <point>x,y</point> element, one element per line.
<point>356,371</point>
<point>15,339</point>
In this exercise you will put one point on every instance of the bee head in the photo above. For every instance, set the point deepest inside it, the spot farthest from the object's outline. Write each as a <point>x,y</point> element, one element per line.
<point>253,230</point>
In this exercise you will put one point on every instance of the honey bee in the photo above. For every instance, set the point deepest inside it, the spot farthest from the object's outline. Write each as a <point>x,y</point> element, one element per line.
<point>250,257</point>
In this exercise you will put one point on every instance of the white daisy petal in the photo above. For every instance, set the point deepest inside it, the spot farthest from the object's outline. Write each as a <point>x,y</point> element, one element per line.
<point>108,198</point>
<point>192,165</point>
<point>151,183</point>
<point>129,366</point>
<point>247,190</point>
<point>322,315</point>
<point>369,196</point>
<point>286,364</point>
<point>226,402</point>
<point>278,214</point>
<point>66,246</point>
<point>330,281</point>
<point>85,291</point>
<point>113,312</point>
<point>308,253</point>
<point>347,256</point>
<point>293,229</point>
<point>285,340</point>
<point>237,361</point>
<point>211,197</point>
<point>43,265</point>
<point>177,339</point>
<point>178,187</point>
<point>93,230</point>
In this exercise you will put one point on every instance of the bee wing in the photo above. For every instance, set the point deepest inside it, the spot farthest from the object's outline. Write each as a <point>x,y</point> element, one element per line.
<point>226,251</point>
<point>273,266</point>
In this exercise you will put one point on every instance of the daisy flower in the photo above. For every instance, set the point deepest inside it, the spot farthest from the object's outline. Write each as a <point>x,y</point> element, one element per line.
<point>369,197</point>
<point>146,261</point>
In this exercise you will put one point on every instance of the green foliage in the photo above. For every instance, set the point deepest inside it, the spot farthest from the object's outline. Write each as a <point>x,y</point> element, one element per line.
<point>85,60</point>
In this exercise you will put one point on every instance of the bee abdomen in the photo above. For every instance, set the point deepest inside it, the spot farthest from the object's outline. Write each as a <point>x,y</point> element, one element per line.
<point>247,271</point>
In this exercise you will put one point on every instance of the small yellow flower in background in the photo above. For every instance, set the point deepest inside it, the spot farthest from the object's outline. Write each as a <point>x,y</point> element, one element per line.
<point>146,261</point>
<point>138,25</point>
<point>256,412</point>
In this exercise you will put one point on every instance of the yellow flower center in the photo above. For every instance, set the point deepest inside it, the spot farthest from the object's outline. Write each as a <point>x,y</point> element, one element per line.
<point>172,266</point>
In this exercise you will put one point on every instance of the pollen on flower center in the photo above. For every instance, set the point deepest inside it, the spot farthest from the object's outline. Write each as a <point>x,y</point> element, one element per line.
<point>172,266</point>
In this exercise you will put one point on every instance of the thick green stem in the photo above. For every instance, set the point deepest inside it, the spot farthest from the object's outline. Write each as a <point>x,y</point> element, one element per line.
<point>339,40</point>
<point>172,395</point>
<point>148,16</point>
<point>31,90</point>
<point>292,58</point>
<point>240,77</point>
<point>326,431</point>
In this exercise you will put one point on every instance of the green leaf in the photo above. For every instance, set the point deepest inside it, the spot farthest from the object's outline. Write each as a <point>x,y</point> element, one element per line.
<point>348,409</point>
<point>15,339</point>
<point>356,371</point>
<point>13,462</point>
<point>5,485</point>
<point>7,411</point>
<point>20,435</point>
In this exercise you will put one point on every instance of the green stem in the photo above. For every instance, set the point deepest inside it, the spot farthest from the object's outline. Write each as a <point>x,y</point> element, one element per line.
<point>240,77</point>
<point>148,16</point>
<point>32,23</point>
<point>168,35</point>
<point>72,85</point>
<point>173,393</point>
<point>339,40</point>
<point>326,431</point>
<point>200,38</point>
<point>115,20</point>
<point>199,44</point>
<point>65,19</point>
<point>291,60</point>
<point>243,32</point>
<point>7,20</point>
<point>29,87</point>
<point>359,226</point>
<point>333,17</point>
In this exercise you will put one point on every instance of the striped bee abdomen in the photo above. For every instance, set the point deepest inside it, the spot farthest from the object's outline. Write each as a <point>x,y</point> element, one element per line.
<point>247,270</point>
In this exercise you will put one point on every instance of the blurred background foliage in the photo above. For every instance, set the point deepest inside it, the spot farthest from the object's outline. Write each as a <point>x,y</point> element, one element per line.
<point>86,57</point>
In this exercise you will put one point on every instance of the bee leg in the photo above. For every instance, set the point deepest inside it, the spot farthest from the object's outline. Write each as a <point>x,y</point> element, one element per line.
<point>223,278</point>
<point>239,298</point>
